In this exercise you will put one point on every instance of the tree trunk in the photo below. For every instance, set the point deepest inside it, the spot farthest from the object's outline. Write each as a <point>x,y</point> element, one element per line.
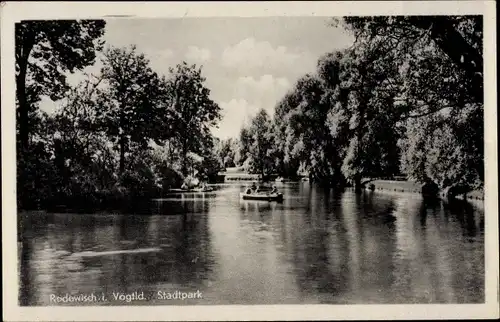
<point>23,51</point>
<point>122,154</point>
<point>23,108</point>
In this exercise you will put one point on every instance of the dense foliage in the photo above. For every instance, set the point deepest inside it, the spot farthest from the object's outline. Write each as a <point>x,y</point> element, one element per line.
<point>403,100</point>
<point>116,136</point>
<point>44,51</point>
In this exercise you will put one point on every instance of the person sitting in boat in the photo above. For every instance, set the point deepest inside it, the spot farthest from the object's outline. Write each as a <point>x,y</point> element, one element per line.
<point>251,189</point>
<point>274,190</point>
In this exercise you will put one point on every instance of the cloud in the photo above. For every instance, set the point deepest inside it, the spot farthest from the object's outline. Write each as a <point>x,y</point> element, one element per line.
<point>249,96</point>
<point>165,53</point>
<point>197,54</point>
<point>264,91</point>
<point>264,83</point>
<point>250,54</point>
<point>235,114</point>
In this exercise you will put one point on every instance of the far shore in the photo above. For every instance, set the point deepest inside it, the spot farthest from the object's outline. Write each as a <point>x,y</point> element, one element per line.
<point>415,187</point>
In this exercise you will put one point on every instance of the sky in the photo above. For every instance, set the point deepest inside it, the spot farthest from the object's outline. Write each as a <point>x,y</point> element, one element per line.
<point>248,63</point>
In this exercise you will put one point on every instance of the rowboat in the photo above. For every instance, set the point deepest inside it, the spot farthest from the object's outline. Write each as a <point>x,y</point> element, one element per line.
<point>262,196</point>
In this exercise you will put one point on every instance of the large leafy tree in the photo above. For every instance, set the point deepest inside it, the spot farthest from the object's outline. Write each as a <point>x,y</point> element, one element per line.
<point>400,82</point>
<point>261,145</point>
<point>438,87</point>
<point>80,144</point>
<point>314,143</point>
<point>133,101</point>
<point>458,37</point>
<point>333,118</point>
<point>211,164</point>
<point>195,112</point>
<point>242,150</point>
<point>45,51</point>
<point>285,139</point>
<point>369,84</point>
<point>226,152</point>
<point>76,119</point>
<point>301,127</point>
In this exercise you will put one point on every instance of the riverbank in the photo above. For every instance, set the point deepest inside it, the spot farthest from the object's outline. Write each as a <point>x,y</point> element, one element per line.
<point>415,187</point>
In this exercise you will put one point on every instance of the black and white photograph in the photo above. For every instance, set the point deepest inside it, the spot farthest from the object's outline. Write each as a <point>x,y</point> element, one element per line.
<point>321,160</point>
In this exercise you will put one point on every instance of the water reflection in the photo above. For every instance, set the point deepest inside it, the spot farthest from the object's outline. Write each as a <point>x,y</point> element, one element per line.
<point>318,246</point>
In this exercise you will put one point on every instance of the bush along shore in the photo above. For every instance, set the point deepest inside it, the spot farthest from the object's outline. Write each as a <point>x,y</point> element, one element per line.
<point>131,194</point>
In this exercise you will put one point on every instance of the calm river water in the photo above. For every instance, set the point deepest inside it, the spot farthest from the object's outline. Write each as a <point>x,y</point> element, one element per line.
<point>317,246</point>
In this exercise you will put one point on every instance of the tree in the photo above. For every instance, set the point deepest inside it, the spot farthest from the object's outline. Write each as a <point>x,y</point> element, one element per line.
<point>195,112</point>
<point>287,163</point>
<point>259,150</point>
<point>243,147</point>
<point>134,97</point>
<point>435,149</point>
<point>302,125</point>
<point>45,50</point>
<point>322,160</point>
<point>226,152</point>
<point>210,165</point>
<point>37,177</point>
<point>369,88</point>
<point>437,88</point>
<point>77,122</point>
<point>331,120</point>
<point>458,37</point>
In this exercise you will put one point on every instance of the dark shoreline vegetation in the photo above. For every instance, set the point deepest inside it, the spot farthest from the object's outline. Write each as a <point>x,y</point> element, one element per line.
<point>406,99</point>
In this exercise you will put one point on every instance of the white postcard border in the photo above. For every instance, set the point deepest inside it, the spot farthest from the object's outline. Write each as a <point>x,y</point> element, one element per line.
<point>12,12</point>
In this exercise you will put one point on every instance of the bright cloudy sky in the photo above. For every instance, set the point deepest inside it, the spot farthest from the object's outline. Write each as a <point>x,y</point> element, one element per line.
<point>249,63</point>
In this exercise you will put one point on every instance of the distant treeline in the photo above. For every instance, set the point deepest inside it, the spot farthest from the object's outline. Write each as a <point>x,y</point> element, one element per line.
<point>405,100</point>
